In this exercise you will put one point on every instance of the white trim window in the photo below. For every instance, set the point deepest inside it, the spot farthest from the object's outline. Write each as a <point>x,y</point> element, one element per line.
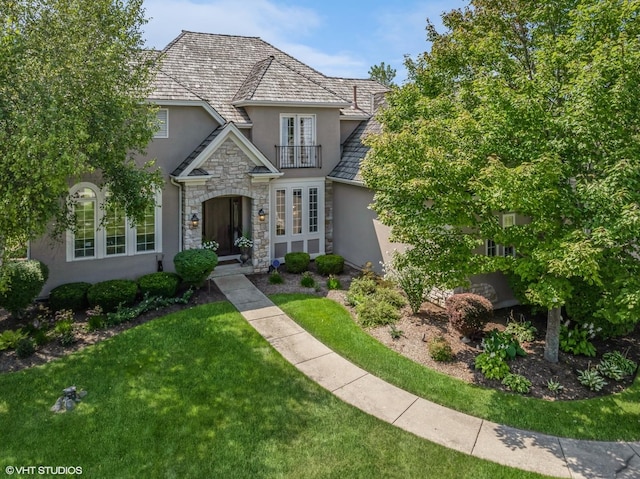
<point>162,122</point>
<point>297,140</point>
<point>491,248</point>
<point>508,220</point>
<point>105,232</point>
<point>298,223</point>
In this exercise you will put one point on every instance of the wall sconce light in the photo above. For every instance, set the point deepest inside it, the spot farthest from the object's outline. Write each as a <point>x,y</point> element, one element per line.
<point>195,221</point>
<point>261,214</point>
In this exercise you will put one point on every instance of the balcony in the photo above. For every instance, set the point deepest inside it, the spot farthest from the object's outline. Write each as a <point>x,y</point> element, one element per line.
<point>299,156</point>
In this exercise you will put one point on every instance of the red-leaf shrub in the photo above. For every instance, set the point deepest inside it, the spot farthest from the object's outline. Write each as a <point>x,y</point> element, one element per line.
<point>468,312</point>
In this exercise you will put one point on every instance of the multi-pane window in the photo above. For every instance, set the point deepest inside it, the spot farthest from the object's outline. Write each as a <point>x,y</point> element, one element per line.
<point>162,122</point>
<point>298,141</point>
<point>281,212</point>
<point>313,210</point>
<point>492,248</point>
<point>116,231</point>
<point>102,230</point>
<point>508,220</point>
<point>84,244</point>
<point>146,231</point>
<point>297,211</point>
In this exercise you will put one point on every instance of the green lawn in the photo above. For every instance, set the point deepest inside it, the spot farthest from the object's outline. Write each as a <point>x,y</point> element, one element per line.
<point>200,394</point>
<point>615,417</point>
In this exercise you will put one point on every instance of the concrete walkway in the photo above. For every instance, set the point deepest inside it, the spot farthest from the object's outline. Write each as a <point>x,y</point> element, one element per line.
<point>525,450</point>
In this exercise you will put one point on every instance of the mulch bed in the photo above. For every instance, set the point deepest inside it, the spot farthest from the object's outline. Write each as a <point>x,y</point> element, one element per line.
<point>416,331</point>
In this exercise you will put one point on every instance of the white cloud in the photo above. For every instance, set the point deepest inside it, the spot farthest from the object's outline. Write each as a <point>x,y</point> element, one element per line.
<point>284,26</point>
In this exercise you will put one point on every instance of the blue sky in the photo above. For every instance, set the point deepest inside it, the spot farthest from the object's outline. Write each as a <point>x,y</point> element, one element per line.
<point>339,38</point>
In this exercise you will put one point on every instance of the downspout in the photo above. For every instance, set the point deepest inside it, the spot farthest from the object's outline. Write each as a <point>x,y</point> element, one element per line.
<point>180,225</point>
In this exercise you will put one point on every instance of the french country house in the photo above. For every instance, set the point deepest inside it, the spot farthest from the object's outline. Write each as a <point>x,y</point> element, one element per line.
<point>252,143</point>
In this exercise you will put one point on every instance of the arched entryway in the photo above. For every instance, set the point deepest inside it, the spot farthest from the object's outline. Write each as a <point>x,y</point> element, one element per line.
<point>224,219</point>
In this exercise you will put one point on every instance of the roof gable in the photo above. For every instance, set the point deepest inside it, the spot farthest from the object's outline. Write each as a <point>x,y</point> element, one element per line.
<point>190,167</point>
<point>272,82</point>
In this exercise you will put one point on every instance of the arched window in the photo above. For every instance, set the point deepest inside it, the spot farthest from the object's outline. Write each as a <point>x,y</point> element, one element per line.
<point>84,241</point>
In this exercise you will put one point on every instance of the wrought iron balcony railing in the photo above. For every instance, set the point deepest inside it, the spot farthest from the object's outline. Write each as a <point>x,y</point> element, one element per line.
<point>299,156</point>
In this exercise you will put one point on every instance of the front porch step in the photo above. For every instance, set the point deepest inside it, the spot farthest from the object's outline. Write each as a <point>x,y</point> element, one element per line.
<point>229,269</point>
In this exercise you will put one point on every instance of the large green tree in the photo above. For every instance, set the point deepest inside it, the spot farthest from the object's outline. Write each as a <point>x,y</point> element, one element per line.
<point>73,83</point>
<point>528,107</point>
<point>383,74</point>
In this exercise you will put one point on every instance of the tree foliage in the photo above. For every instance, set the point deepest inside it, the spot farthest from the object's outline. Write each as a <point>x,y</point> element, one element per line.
<point>73,80</point>
<point>525,107</point>
<point>383,74</point>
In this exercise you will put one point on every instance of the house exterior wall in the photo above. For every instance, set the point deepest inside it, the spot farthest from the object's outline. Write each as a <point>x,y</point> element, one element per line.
<point>265,135</point>
<point>357,234</point>
<point>359,237</point>
<point>188,126</point>
<point>346,128</point>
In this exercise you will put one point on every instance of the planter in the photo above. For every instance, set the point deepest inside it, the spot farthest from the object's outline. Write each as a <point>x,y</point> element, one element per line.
<point>244,255</point>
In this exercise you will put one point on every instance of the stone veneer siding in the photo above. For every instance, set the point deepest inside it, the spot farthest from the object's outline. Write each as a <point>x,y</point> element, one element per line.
<point>229,169</point>
<point>328,217</point>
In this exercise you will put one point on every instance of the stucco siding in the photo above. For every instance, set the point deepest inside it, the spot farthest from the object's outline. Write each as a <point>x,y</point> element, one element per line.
<point>265,135</point>
<point>188,126</point>
<point>357,235</point>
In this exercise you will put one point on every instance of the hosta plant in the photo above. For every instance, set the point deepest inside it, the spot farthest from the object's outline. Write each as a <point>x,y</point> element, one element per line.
<point>517,383</point>
<point>626,365</point>
<point>578,340</point>
<point>492,365</point>
<point>592,379</point>
<point>611,370</point>
<point>554,386</point>
<point>522,330</point>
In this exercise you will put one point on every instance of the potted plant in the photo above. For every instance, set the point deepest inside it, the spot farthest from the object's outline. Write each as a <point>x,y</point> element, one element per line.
<point>245,244</point>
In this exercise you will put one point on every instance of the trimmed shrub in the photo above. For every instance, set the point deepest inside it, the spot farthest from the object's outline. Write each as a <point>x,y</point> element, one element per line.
<point>307,280</point>
<point>333,283</point>
<point>69,296</point>
<point>23,280</point>
<point>440,350</point>
<point>360,288</point>
<point>375,312</point>
<point>195,265</point>
<point>329,264</point>
<point>162,284</point>
<point>276,278</point>
<point>110,294</point>
<point>468,312</point>
<point>297,262</point>
<point>391,296</point>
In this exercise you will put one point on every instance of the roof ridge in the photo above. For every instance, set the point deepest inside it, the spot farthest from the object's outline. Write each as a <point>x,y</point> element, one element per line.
<point>219,34</point>
<point>262,64</point>
<point>309,78</point>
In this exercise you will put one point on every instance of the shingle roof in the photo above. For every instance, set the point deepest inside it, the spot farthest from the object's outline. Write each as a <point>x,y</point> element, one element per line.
<point>167,88</point>
<point>270,80</point>
<point>221,69</point>
<point>353,150</point>
<point>194,154</point>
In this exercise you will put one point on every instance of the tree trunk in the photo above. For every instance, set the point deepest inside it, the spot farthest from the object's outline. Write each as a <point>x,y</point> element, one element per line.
<point>552,340</point>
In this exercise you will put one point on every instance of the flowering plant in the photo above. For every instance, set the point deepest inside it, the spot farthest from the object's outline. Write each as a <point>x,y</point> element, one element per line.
<point>210,244</point>
<point>243,242</point>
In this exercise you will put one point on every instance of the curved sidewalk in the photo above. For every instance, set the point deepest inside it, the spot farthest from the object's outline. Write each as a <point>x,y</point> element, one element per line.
<point>525,450</point>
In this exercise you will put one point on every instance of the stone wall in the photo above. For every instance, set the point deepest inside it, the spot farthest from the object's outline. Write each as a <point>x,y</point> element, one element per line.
<point>439,296</point>
<point>328,217</point>
<point>229,168</point>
